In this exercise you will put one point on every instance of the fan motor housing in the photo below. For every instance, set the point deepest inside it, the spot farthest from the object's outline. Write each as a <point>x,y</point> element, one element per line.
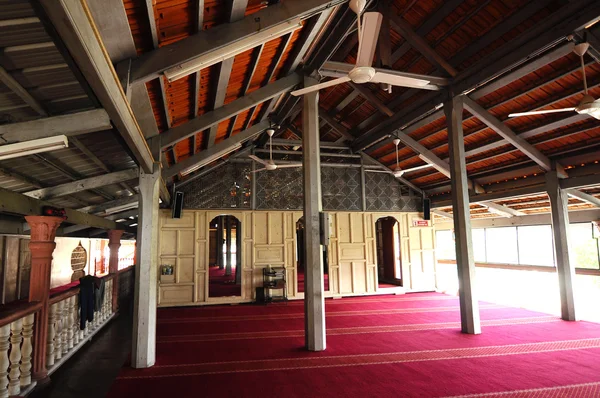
<point>362,74</point>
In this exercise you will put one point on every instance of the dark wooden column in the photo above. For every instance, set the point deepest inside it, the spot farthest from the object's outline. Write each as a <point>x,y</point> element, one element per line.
<point>43,232</point>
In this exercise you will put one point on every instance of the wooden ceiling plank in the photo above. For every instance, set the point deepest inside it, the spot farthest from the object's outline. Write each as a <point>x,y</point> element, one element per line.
<point>76,28</point>
<point>372,98</point>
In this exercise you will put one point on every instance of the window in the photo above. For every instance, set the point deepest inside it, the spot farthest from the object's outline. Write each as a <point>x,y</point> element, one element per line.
<point>501,245</point>
<point>535,245</point>
<point>583,246</point>
<point>479,245</point>
<point>445,245</point>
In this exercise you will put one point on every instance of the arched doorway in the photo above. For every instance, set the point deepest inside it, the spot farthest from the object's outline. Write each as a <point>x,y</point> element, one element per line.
<point>225,258</point>
<point>300,262</point>
<point>389,264</point>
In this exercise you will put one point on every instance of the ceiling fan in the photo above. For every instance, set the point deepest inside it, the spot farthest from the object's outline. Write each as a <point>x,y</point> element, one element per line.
<point>587,106</point>
<point>270,164</point>
<point>363,72</point>
<point>398,172</point>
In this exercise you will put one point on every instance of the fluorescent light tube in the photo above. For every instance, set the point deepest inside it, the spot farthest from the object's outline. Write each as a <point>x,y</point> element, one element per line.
<point>231,50</point>
<point>34,146</point>
<point>215,156</point>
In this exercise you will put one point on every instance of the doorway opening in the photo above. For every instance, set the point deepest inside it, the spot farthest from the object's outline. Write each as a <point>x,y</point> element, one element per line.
<point>300,260</point>
<point>389,264</point>
<point>225,258</point>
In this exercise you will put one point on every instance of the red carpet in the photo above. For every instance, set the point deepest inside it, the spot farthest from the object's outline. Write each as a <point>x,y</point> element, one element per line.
<point>385,346</point>
<point>221,285</point>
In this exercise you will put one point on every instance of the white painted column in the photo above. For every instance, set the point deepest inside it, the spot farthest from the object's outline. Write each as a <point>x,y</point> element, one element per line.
<point>229,252</point>
<point>469,307</point>
<point>560,229</point>
<point>144,316</point>
<point>314,302</point>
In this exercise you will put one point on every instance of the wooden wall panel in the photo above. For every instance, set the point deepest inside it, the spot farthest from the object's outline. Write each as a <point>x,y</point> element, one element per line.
<point>269,238</point>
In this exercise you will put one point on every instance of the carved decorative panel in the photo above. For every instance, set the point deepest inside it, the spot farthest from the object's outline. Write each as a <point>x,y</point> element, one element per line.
<point>279,189</point>
<point>340,188</point>
<point>228,186</point>
<point>384,193</point>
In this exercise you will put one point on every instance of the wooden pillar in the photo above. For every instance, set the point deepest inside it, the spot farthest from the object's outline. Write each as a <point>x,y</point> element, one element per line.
<point>220,242</point>
<point>238,255</point>
<point>114,243</point>
<point>144,315</point>
<point>43,232</point>
<point>228,250</point>
<point>469,307</point>
<point>314,303</point>
<point>560,229</point>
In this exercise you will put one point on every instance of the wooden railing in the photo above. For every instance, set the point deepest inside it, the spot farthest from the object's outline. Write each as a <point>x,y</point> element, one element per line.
<point>65,336</point>
<point>16,348</point>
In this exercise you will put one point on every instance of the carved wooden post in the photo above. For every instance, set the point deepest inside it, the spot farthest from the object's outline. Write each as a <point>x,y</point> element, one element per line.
<point>14,384</point>
<point>43,231</point>
<point>114,243</point>
<point>4,344</point>
<point>26,350</point>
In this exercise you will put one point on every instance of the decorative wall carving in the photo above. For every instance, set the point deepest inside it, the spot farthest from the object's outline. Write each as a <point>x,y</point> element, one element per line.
<point>230,186</point>
<point>78,262</point>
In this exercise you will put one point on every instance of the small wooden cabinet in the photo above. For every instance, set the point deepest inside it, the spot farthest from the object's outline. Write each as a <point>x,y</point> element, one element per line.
<point>274,284</point>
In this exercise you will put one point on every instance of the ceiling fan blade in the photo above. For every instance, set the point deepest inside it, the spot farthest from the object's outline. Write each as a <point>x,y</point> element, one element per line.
<point>368,36</point>
<point>257,159</point>
<point>541,112</point>
<point>289,165</point>
<point>256,171</point>
<point>320,86</point>
<point>401,81</point>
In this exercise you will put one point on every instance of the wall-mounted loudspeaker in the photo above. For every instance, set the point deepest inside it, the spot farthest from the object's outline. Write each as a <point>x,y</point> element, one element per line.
<point>426,209</point>
<point>177,205</point>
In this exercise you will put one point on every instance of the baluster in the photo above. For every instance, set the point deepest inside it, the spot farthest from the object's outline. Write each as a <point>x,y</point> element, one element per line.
<point>14,384</point>
<point>59,331</point>
<point>27,350</point>
<point>4,344</point>
<point>51,335</point>
<point>74,313</point>
<point>70,302</point>
<point>65,327</point>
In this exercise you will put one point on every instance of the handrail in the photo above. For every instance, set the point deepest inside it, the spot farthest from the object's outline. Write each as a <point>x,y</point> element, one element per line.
<point>17,310</point>
<point>64,295</point>
<point>131,267</point>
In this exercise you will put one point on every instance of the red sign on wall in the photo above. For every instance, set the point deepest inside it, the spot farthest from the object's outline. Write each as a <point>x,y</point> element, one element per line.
<point>420,223</point>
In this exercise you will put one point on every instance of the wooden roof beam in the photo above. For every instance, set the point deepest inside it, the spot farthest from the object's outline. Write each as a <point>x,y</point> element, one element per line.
<point>21,92</point>
<point>205,121</point>
<point>16,203</point>
<point>72,124</point>
<point>212,154</point>
<point>404,181</point>
<point>584,197</point>
<point>505,132</point>
<point>419,44</point>
<point>149,65</point>
<point>513,54</point>
<point>501,209</point>
<point>83,184</point>
<point>103,207</point>
<point>73,22</point>
<point>236,13</point>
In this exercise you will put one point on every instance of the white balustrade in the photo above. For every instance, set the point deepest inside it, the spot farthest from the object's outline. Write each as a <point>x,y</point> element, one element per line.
<point>15,356</point>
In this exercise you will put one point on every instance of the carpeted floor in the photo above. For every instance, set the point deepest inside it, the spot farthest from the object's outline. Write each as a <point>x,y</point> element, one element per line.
<point>385,346</point>
<point>221,285</point>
